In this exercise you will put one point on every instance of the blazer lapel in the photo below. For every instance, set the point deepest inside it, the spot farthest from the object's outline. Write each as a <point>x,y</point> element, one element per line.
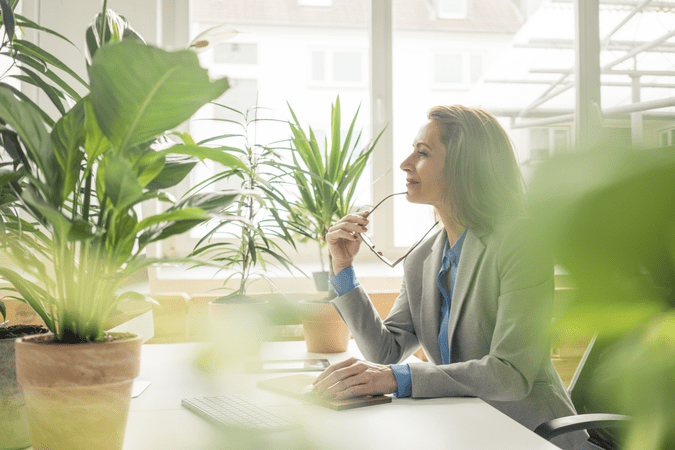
<point>470,257</point>
<point>431,299</point>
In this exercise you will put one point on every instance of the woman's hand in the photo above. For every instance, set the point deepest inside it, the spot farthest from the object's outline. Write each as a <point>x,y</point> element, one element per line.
<point>355,377</point>
<point>344,239</point>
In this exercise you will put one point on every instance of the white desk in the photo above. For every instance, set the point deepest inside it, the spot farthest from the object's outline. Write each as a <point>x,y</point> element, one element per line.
<point>158,421</point>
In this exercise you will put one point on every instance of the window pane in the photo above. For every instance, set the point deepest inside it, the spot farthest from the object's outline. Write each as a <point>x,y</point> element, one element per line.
<point>451,8</point>
<point>347,66</point>
<point>318,66</point>
<point>475,67</point>
<point>448,69</point>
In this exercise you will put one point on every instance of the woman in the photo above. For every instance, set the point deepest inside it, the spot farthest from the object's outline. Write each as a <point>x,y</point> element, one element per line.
<point>476,296</point>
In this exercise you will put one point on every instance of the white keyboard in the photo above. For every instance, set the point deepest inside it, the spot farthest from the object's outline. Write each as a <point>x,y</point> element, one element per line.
<point>234,411</point>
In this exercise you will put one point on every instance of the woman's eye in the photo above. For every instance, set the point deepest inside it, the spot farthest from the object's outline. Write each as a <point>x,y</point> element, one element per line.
<point>421,153</point>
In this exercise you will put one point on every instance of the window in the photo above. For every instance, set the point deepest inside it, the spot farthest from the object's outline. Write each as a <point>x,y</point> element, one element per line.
<point>448,69</point>
<point>317,49</point>
<point>667,137</point>
<point>451,9</point>
<point>456,70</point>
<point>337,68</point>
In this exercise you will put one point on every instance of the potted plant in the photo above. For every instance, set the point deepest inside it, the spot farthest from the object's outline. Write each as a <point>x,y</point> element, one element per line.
<point>327,181</point>
<point>608,214</point>
<point>14,432</point>
<point>248,247</point>
<point>80,181</point>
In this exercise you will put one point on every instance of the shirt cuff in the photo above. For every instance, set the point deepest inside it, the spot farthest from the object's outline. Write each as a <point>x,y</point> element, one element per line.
<point>344,281</point>
<point>403,379</point>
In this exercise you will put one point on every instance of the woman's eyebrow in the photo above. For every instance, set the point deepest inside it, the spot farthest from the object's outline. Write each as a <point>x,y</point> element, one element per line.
<point>417,144</point>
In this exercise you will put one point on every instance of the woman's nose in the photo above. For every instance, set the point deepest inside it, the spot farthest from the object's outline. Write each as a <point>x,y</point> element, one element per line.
<point>405,165</point>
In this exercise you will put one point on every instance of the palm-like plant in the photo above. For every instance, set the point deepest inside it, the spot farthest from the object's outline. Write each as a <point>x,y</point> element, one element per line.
<point>327,179</point>
<point>247,247</point>
<point>79,179</point>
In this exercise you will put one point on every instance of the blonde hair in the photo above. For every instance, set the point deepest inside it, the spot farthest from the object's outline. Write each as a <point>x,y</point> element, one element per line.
<point>484,180</point>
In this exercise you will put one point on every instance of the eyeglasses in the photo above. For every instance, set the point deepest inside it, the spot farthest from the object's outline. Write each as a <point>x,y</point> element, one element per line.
<point>371,246</point>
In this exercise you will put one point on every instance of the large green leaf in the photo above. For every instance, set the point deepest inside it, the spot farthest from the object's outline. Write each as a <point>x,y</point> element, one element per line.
<point>96,143</point>
<point>26,120</point>
<point>139,91</point>
<point>67,139</point>
<point>120,183</point>
<point>60,224</point>
<point>28,123</point>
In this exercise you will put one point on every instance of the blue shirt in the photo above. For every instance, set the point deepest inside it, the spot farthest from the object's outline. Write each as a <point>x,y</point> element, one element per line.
<point>346,280</point>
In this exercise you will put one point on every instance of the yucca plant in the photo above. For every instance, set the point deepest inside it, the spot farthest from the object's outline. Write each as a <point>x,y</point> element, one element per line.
<point>327,178</point>
<point>79,178</point>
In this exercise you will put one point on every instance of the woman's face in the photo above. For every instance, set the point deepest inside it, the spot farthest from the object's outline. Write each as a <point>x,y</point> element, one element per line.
<point>425,172</point>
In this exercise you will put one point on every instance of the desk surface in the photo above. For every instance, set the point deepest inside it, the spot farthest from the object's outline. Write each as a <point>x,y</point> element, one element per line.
<point>158,421</point>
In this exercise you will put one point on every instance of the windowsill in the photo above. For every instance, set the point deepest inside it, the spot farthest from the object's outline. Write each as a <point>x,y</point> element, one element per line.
<point>374,276</point>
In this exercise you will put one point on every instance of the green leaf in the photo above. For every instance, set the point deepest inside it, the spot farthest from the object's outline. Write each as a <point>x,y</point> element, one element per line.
<point>96,143</point>
<point>211,202</point>
<point>60,224</point>
<point>30,293</point>
<point>68,136</point>
<point>8,19</point>
<point>55,96</point>
<point>24,98</point>
<point>40,66</point>
<point>139,92</point>
<point>215,154</point>
<point>3,310</point>
<point>189,213</point>
<point>172,173</point>
<point>81,231</point>
<point>23,22</point>
<point>26,120</point>
<point>29,48</point>
<point>120,183</point>
<point>148,166</point>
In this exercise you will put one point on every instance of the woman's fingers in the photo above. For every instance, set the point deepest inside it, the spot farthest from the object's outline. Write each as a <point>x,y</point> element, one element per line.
<point>355,377</point>
<point>332,368</point>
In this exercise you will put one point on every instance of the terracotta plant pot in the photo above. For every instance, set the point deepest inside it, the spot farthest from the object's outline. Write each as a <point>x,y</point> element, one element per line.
<point>14,432</point>
<point>239,327</point>
<point>324,329</point>
<point>77,395</point>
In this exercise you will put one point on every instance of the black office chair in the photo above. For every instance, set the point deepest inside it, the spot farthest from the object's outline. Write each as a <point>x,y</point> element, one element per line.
<point>595,416</point>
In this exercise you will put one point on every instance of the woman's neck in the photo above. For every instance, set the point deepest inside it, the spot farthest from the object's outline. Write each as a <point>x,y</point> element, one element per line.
<point>452,228</point>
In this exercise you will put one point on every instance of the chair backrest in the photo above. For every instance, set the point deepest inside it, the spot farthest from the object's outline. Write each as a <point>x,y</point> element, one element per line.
<point>588,401</point>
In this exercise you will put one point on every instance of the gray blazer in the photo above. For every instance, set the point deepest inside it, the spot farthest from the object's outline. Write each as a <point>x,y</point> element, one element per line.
<point>498,330</point>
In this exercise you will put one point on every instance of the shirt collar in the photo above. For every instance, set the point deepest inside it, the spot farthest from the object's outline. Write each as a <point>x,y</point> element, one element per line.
<point>452,253</point>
